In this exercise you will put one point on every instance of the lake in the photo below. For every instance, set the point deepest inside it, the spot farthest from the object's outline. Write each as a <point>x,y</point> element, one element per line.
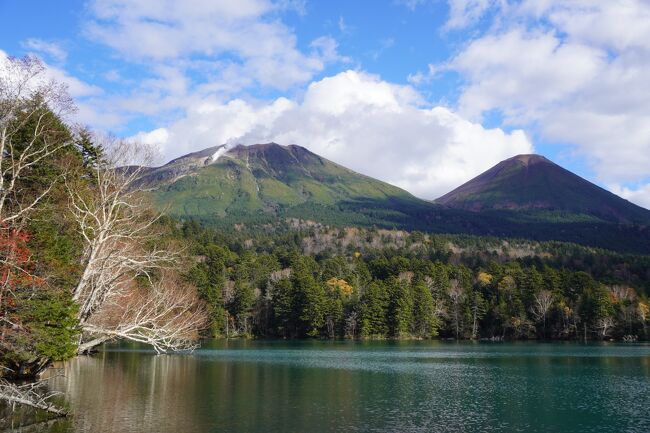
<point>311,386</point>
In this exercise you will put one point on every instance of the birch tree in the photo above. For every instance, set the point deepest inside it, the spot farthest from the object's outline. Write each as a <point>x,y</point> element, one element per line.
<point>124,259</point>
<point>166,316</point>
<point>604,326</point>
<point>29,134</point>
<point>32,137</point>
<point>542,303</point>
<point>33,142</point>
<point>27,99</point>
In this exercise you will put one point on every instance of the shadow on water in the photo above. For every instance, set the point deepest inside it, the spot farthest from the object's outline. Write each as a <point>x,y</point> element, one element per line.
<point>312,386</point>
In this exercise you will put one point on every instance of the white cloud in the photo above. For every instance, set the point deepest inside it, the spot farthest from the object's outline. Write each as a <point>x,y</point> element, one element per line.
<point>574,72</point>
<point>465,12</point>
<point>523,73</point>
<point>419,78</point>
<point>617,24</point>
<point>639,195</point>
<point>82,92</point>
<point>154,138</point>
<point>113,75</point>
<point>358,120</point>
<point>198,50</point>
<point>51,49</point>
<point>343,27</point>
<point>77,88</point>
<point>247,32</point>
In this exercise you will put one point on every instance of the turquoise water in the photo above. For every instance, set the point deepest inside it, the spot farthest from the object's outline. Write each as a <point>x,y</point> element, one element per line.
<point>257,386</point>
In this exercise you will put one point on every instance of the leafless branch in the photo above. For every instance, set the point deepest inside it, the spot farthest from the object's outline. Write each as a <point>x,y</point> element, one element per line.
<point>26,97</point>
<point>166,316</point>
<point>32,394</point>
<point>122,248</point>
<point>115,221</point>
<point>543,301</point>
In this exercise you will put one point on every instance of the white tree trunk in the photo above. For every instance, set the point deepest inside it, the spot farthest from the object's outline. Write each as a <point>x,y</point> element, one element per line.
<point>122,251</point>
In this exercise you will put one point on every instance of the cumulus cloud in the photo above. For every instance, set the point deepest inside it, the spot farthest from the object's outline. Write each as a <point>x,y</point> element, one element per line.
<point>573,72</point>
<point>187,52</point>
<point>258,45</point>
<point>639,195</point>
<point>360,121</point>
<point>618,24</point>
<point>523,73</point>
<point>51,49</point>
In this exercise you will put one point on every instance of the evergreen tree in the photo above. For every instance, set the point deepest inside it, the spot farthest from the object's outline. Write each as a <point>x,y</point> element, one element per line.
<point>374,308</point>
<point>311,302</point>
<point>284,308</point>
<point>425,321</point>
<point>400,309</point>
<point>242,304</point>
<point>210,278</point>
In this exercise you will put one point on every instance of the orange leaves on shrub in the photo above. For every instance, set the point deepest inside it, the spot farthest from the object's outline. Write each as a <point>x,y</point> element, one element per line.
<point>15,260</point>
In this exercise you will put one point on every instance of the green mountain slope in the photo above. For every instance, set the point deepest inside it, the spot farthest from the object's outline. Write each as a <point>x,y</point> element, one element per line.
<point>262,183</point>
<point>535,187</point>
<point>269,180</point>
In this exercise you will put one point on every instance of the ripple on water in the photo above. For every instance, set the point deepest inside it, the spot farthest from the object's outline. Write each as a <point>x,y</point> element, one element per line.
<point>363,387</point>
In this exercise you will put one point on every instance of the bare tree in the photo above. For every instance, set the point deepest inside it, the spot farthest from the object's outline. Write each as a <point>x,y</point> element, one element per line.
<point>406,277</point>
<point>30,134</point>
<point>123,248</point>
<point>477,309</point>
<point>543,301</point>
<point>625,297</point>
<point>604,325</point>
<point>623,293</point>
<point>31,394</point>
<point>115,222</point>
<point>166,316</point>
<point>27,100</point>
<point>643,311</point>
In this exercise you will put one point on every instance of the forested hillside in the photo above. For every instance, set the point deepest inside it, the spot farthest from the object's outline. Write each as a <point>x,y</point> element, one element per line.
<point>302,279</point>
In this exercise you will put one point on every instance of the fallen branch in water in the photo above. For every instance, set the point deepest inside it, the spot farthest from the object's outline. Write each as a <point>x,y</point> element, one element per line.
<point>32,395</point>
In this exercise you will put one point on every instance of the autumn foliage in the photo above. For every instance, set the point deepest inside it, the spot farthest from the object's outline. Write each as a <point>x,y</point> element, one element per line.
<point>15,266</point>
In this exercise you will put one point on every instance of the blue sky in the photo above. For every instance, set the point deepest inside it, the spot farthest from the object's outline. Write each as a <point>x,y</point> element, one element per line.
<point>424,94</point>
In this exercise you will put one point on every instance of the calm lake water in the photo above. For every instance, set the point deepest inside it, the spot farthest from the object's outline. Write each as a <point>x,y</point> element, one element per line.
<point>311,387</point>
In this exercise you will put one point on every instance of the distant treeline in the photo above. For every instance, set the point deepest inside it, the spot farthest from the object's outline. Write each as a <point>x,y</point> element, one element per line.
<point>297,279</point>
<point>411,215</point>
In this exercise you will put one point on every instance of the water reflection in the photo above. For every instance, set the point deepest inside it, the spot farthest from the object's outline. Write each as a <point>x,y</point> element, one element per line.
<point>361,387</point>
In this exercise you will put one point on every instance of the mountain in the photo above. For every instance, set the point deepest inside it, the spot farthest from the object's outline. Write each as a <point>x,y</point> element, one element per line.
<point>180,167</point>
<point>524,197</point>
<point>264,181</point>
<point>534,186</point>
